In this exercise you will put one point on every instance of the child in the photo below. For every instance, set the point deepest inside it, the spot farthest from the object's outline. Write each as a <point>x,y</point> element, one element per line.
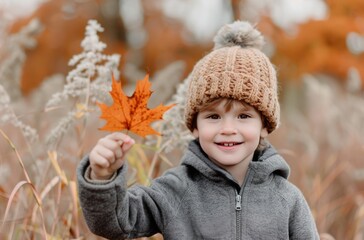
<point>231,184</point>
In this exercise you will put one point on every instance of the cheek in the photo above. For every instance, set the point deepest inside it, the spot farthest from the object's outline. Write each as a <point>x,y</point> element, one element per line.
<point>204,132</point>
<point>252,134</point>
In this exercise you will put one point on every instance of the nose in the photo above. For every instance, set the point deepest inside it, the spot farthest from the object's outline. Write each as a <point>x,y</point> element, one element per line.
<point>228,127</point>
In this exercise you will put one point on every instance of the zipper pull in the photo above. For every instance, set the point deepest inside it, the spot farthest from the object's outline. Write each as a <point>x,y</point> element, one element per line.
<point>238,202</point>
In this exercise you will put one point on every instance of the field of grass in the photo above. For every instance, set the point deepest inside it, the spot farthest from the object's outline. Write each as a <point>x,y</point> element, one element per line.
<point>44,135</point>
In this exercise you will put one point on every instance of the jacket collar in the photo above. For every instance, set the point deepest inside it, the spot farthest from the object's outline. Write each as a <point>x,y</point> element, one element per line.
<point>264,164</point>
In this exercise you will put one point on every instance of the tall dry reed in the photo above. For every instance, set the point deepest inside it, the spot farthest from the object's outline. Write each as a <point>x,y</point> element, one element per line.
<point>320,137</point>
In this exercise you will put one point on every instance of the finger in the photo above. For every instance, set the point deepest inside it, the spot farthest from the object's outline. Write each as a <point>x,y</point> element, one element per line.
<point>106,153</point>
<point>125,141</point>
<point>109,143</point>
<point>116,165</point>
<point>97,160</point>
<point>117,136</point>
<point>127,144</point>
<point>114,146</point>
<point>118,153</point>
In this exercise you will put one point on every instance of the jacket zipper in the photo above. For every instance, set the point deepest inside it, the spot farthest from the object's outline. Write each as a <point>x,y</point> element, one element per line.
<point>238,207</point>
<point>238,214</point>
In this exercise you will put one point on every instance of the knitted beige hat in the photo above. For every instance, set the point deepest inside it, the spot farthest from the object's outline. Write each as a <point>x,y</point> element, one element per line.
<point>236,69</point>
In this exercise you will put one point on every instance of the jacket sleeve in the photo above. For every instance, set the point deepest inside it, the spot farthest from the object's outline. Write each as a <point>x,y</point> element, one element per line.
<point>301,222</point>
<point>115,212</point>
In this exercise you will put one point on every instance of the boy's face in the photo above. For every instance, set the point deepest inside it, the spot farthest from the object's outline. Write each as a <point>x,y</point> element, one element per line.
<point>229,135</point>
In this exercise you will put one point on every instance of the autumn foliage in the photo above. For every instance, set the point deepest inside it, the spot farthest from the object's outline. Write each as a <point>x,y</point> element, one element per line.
<point>319,46</point>
<point>131,113</point>
<point>63,27</point>
<point>320,137</point>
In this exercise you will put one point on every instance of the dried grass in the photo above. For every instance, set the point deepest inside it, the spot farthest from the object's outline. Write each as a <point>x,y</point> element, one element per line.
<point>321,138</point>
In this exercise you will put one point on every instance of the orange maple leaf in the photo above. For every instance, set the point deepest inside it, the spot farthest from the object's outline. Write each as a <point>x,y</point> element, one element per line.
<point>131,113</point>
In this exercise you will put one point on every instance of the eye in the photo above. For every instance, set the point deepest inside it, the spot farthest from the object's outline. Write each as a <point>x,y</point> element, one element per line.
<point>243,116</point>
<point>213,116</point>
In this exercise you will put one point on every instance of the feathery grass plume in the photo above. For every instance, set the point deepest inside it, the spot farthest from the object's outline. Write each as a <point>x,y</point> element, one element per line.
<point>87,83</point>
<point>330,116</point>
<point>173,74</point>
<point>341,112</point>
<point>323,144</point>
<point>44,91</point>
<point>7,115</point>
<point>61,128</point>
<point>173,128</point>
<point>90,77</point>
<point>13,57</point>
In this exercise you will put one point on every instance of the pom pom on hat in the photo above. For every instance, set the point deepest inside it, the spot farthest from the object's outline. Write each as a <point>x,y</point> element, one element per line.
<point>238,33</point>
<point>235,69</point>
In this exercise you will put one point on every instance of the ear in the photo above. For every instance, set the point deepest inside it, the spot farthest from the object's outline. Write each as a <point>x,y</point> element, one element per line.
<point>195,133</point>
<point>264,133</point>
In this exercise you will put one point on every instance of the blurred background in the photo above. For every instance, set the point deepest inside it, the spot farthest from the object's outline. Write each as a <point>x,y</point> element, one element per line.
<point>55,65</point>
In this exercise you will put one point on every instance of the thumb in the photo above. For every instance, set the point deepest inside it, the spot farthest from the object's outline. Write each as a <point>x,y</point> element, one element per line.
<point>127,144</point>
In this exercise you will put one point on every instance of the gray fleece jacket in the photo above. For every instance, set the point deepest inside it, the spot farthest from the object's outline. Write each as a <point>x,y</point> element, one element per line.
<point>199,200</point>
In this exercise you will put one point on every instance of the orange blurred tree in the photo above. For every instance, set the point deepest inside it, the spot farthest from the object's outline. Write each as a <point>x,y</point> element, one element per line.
<point>320,45</point>
<point>63,25</point>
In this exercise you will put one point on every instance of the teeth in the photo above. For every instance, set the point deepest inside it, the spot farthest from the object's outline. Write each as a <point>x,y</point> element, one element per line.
<point>228,144</point>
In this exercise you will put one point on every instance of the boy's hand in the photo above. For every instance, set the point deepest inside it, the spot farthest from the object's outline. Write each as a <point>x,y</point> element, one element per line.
<point>108,155</point>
